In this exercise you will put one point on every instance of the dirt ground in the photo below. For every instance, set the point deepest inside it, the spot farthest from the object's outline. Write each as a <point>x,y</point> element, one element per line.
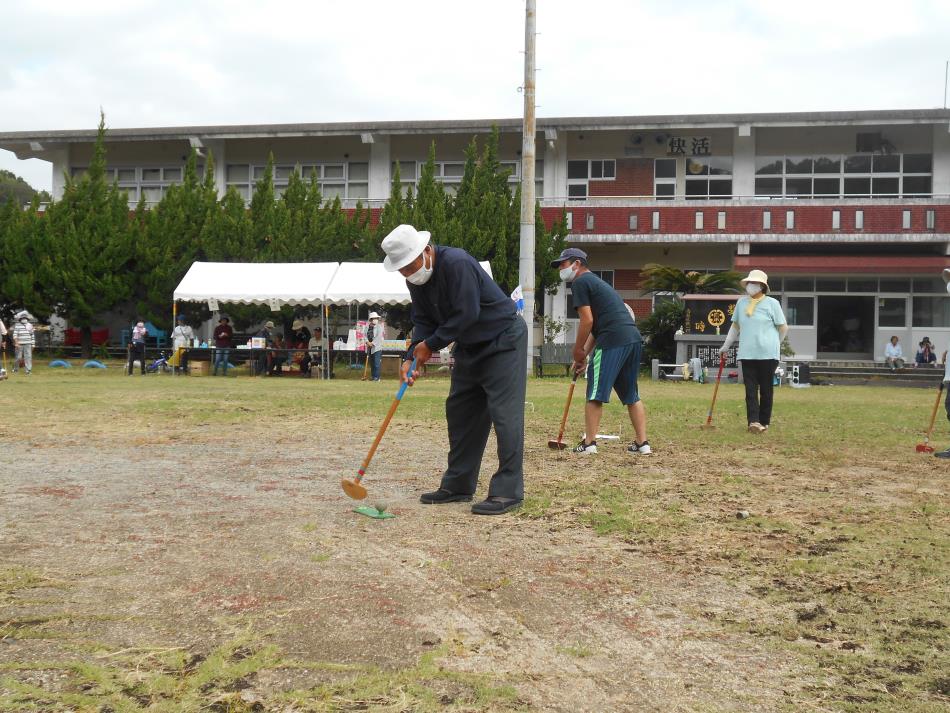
<point>169,540</point>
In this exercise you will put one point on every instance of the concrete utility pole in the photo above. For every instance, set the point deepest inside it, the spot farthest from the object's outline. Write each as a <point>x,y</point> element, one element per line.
<point>526,256</point>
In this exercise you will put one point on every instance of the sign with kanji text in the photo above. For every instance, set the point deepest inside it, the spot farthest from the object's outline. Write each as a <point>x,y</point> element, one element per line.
<point>688,146</point>
<point>710,316</point>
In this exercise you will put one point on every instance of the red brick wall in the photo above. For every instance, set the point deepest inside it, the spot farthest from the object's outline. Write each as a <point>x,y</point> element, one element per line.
<point>641,307</point>
<point>626,279</point>
<point>634,178</point>
<point>748,219</point>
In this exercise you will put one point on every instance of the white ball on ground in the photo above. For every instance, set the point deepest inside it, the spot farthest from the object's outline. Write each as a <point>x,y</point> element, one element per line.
<point>381,507</point>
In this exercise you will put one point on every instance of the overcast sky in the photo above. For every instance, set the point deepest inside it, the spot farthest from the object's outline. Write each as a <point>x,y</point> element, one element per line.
<point>179,62</point>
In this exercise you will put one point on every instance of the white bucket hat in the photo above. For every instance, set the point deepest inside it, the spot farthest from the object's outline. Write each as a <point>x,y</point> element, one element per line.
<point>373,315</point>
<point>403,245</point>
<point>756,276</point>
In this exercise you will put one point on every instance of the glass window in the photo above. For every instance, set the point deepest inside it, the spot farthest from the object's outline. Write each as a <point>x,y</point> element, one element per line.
<point>829,284</point>
<point>885,186</point>
<point>886,164</point>
<point>454,170</point>
<point>768,166</point>
<point>699,220</point>
<point>610,169</point>
<point>696,167</point>
<point>331,191</point>
<point>775,285</point>
<point>768,186</point>
<point>596,169</point>
<point>665,191</point>
<point>77,172</point>
<point>892,312</point>
<point>827,186</point>
<point>798,165</point>
<point>931,219</point>
<point>931,311</point>
<point>126,175</point>
<point>799,284</point>
<point>892,285</point>
<point>929,285</point>
<point>407,170</point>
<point>862,284</point>
<point>577,169</point>
<point>721,220</point>
<point>790,220</point>
<point>836,220</point>
<point>152,194</point>
<point>358,190</point>
<point>798,186</point>
<point>917,185</point>
<point>577,190</point>
<point>917,163</point>
<point>656,220</point>
<point>590,221</point>
<point>336,171</point>
<point>828,164</point>
<point>857,164</point>
<point>719,165</point>
<point>857,187</point>
<point>259,172</point>
<point>720,188</point>
<point>241,191</point>
<point>632,222</point>
<point>172,174</point>
<point>664,168</point>
<point>697,189</point>
<point>151,174</point>
<point>859,220</point>
<point>800,311</point>
<point>359,171</point>
<point>905,220</point>
<point>133,194</point>
<point>766,220</point>
<point>282,173</point>
<point>605,275</point>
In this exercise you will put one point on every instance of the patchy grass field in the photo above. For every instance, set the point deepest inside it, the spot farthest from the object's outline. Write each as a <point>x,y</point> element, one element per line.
<point>182,544</point>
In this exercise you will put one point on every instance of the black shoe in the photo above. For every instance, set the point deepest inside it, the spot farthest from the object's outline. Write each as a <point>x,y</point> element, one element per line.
<point>440,497</point>
<point>495,506</point>
<point>942,454</point>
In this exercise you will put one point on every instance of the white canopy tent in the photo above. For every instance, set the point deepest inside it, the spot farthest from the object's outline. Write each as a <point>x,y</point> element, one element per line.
<point>370,283</point>
<point>257,283</point>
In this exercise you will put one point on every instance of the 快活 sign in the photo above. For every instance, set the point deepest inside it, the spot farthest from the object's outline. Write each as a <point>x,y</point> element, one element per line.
<point>691,146</point>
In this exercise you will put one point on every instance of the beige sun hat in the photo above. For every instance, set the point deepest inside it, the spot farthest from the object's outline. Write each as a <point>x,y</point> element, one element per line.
<point>756,276</point>
<point>403,245</point>
<point>298,323</point>
<point>374,315</point>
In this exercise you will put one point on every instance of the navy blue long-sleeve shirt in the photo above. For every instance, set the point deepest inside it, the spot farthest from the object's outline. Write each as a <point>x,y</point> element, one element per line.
<point>460,303</point>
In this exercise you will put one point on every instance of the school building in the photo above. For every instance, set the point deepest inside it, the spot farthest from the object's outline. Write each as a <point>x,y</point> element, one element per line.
<point>847,212</point>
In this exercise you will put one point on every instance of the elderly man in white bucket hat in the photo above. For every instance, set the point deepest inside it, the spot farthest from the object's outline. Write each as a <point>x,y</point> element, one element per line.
<point>759,324</point>
<point>454,300</point>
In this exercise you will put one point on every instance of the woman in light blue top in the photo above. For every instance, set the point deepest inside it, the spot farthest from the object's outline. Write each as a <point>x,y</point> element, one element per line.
<point>759,325</point>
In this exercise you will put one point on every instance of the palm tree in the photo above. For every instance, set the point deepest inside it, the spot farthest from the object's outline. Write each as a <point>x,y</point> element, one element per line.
<point>662,278</point>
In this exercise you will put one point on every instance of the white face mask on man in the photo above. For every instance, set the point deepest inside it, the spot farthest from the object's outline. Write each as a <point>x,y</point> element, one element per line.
<point>567,273</point>
<point>753,288</point>
<point>422,275</point>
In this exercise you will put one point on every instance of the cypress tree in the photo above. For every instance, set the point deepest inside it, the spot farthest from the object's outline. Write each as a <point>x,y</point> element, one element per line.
<point>91,251</point>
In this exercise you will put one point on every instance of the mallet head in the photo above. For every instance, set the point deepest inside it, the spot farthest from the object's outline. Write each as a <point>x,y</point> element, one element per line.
<point>557,445</point>
<point>354,489</point>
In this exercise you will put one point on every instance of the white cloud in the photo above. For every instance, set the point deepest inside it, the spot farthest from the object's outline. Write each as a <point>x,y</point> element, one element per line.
<point>177,62</point>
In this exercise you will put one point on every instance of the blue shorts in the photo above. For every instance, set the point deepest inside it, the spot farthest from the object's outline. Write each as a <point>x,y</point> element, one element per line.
<point>614,368</point>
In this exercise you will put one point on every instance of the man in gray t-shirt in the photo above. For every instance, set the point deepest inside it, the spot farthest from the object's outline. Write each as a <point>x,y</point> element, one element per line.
<point>608,335</point>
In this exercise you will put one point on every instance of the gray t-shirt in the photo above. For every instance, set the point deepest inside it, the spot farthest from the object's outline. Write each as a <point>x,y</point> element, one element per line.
<point>613,325</point>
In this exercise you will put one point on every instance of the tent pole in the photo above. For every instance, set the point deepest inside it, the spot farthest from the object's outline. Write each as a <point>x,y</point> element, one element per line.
<point>174,322</point>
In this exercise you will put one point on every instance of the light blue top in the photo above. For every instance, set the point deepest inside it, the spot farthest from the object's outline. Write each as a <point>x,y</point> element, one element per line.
<point>758,334</point>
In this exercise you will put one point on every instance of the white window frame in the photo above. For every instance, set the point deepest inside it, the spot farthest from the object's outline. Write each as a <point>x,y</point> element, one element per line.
<point>585,182</point>
<point>695,179</point>
<point>664,180</point>
<point>841,175</point>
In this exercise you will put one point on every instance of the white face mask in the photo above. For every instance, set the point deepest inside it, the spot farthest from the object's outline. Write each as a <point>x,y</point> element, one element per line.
<point>752,289</point>
<point>422,275</point>
<point>567,273</point>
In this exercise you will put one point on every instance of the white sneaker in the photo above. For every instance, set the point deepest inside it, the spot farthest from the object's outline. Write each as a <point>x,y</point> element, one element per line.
<point>756,427</point>
<point>642,449</point>
<point>587,448</point>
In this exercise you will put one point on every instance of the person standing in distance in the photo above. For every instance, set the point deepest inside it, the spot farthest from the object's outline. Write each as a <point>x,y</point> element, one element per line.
<point>223,334</point>
<point>759,325</point>
<point>454,300</point>
<point>374,343</point>
<point>608,335</point>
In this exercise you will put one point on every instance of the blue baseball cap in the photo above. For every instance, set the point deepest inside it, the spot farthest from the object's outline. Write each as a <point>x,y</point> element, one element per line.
<point>570,254</point>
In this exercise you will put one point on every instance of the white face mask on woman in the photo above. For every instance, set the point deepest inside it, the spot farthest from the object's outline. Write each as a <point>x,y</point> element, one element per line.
<point>422,275</point>
<point>753,288</point>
